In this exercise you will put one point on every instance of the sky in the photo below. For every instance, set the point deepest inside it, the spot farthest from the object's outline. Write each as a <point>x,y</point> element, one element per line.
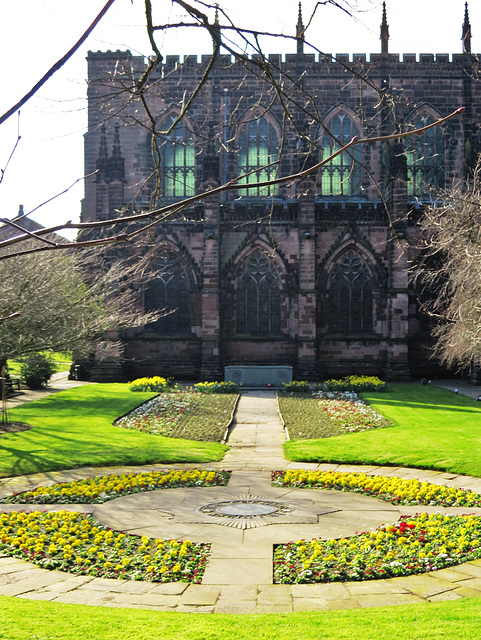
<point>41,148</point>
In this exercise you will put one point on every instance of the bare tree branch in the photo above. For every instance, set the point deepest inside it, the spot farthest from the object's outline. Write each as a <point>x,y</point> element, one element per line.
<point>58,65</point>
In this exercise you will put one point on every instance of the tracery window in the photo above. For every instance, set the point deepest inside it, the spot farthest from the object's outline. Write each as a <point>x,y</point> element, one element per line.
<point>177,161</point>
<point>258,147</point>
<point>258,296</point>
<point>341,176</point>
<point>350,296</point>
<point>425,158</point>
<point>169,291</point>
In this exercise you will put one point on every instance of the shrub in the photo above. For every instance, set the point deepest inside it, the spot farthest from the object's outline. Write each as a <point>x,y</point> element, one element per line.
<point>296,386</point>
<point>217,387</point>
<point>36,370</point>
<point>356,384</point>
<point>156,383</point>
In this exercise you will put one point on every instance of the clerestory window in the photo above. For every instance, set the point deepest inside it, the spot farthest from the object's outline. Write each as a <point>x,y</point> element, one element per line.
<point>341,176</point>
<point>258,147</point>
<point>425,159</point>
<point>177,161</point>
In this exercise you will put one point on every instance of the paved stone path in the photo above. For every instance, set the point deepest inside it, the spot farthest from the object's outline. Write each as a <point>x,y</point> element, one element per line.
<point>238,577</point>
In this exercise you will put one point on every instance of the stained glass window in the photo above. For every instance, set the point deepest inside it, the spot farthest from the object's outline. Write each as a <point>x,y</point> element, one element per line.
<point>425,159</point>
<point>258,296</point>
<point>342,175</point>
<point>350,298</point>
<point>258,147</point>
<point>169,291</point>
<point>177,161</point>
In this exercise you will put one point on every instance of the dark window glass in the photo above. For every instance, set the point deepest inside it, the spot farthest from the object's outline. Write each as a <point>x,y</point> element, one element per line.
<point>350,296</point>
<point>258,297</point>
<point>169,291</point>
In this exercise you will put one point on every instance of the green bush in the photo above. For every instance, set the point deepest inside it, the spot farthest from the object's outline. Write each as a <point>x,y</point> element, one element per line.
<point>356,384</point>
<point>36,370</point>
<point>156,384</point>
<point>296,386</point>
<point>217,387</point>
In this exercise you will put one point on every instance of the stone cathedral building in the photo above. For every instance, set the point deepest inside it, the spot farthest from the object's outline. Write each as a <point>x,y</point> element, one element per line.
<point>310,273</point>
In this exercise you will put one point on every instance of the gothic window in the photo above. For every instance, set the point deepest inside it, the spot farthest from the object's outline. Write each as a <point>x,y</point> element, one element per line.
<point>258,297</point>
<point>342,175</point>
<point>258,147</point>
<point>425,158</point>
<point>177,161</point>
<point>350,297</point>
<point>169,291</point>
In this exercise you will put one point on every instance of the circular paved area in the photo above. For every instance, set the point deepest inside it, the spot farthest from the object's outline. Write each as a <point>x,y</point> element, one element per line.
<point>242,521</point>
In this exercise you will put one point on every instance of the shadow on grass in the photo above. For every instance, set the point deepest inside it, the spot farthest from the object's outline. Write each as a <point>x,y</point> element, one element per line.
<point>414,397</point>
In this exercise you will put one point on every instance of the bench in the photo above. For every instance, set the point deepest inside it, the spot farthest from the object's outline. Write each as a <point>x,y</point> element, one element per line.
<point>12,384</point>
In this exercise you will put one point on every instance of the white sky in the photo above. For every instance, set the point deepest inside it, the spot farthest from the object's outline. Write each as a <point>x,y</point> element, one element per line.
<point>34,34</point>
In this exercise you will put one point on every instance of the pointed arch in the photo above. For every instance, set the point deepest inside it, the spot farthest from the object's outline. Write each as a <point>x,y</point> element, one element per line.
<point>342,176</point>
<point>174,156</point>
<point>258,144</point>
<point>350,285</point>
<point>425,154</point>
<point>258,298</point>
<point>170,289</point>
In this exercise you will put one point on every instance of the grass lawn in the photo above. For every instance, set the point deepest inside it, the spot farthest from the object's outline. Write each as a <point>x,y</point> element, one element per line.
<point>62,362</point>
<point>433,429</point>
<point>73,428</point>
<point>27,620</point>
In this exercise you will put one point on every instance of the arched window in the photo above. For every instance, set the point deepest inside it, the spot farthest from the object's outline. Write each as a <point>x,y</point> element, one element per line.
<point>177,161</point>
<point>168,290</point>
<point>258,147</point>
<point>341,176</point>
<point>349,298</point>
<point>425,158</point>
<point>258,296</point>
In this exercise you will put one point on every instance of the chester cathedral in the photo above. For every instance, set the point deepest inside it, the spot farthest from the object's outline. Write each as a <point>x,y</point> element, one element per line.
<point>313,273</point>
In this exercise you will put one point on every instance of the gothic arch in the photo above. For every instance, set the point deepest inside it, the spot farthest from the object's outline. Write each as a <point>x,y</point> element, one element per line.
<point>257,302</point>
<point>171,286</point>
<point>257,142</point>
<point>426,155</point>
<point>349,285</point>
<point>358,245</point>
<point>343,175</point>
<point>174,155</point>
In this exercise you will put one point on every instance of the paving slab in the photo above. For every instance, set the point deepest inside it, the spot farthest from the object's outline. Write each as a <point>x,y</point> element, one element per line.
<point>200,595</point>
<point>238,571</point>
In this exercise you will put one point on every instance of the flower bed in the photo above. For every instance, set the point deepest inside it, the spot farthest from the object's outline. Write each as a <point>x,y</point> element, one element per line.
<point>411,545</point>
<point>394,490</point>
<point>325,414</point>
<point>103,488</point>
<point>356,384</point>
<point>183,415</point>
<point>73,542</point>
<point>350,413</point>
<point>159,416</point>
<point>156,384</point>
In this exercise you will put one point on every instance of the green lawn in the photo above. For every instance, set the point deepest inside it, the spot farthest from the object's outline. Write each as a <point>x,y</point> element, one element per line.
<point>28,620</point>
<point>73,428</point>
<point>62,362</point>
<point>434,429</point>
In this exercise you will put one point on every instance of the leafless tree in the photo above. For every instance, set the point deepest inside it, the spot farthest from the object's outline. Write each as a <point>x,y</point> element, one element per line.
<point>451,271</point>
